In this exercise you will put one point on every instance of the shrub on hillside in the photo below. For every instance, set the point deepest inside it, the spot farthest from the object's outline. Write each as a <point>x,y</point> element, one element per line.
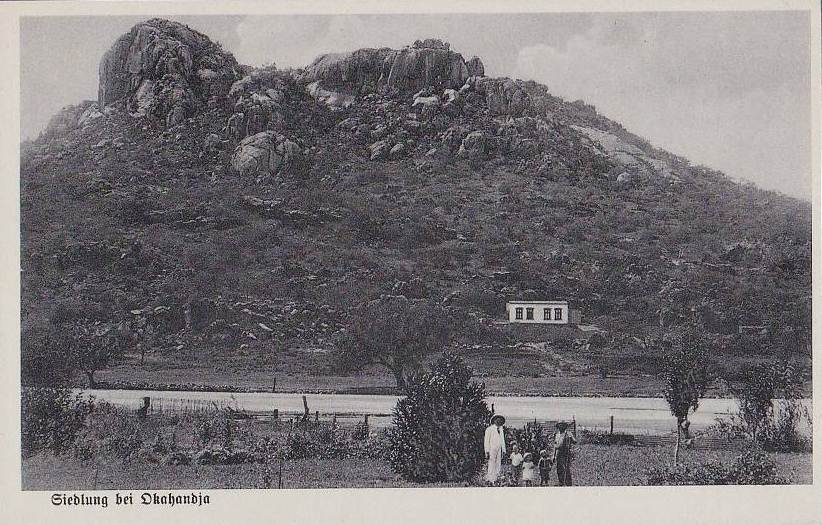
<point>483,298</point>
<point>439,425</point>
<point>751,468</point>
<point>51,419</point>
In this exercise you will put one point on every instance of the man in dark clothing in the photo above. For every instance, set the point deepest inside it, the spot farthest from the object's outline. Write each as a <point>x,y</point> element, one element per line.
<point>562,453</point>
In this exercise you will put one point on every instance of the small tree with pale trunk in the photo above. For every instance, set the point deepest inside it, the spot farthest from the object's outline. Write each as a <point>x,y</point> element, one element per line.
<point>685,372</point>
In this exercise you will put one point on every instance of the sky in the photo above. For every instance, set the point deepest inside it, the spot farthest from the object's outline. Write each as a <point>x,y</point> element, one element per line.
<point>728,90</point>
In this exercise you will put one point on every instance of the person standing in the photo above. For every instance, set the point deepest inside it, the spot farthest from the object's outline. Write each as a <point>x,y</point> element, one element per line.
<point>494,448</point>
<point>516,465</point>
<point>562,453</point>
<point>529,471</point>
<point>544,465</point>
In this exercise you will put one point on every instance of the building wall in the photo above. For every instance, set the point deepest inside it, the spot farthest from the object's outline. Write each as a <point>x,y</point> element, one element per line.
<point>539,315</point>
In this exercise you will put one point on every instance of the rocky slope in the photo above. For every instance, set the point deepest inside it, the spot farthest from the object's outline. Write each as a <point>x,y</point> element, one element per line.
<point>244,212</point>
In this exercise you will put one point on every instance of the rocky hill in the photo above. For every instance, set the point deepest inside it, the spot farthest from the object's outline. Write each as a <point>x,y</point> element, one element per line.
<point>245,212</point>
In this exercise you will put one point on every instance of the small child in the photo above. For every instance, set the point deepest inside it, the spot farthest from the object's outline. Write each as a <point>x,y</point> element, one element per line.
<point>516,465</point>
<point>529,473</point>
<point>544,465</point>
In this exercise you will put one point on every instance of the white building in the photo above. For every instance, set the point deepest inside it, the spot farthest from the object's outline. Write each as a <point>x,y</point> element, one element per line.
<point>541,312</point>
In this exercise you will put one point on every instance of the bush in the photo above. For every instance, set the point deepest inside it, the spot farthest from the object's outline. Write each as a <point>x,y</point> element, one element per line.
<point>212,427</point>
<point>223,456</point>
<point>51,419</point>
<point>177,458</point>
<point>750,468</point>
<point>331,442</point>
<point>324,442</point>
<point>360,431</point>
<point>530,438</point>
<point>46,359</point>
<point>113,431</point>
<point>782,432</point>
<point>213,456</point>
<point>439,425</point>
<point>775,425</point>
<point>301,446</point>
<point>484,299</point>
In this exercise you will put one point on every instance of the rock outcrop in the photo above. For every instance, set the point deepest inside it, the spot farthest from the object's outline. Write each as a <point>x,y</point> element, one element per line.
<point>164,69</point>
<point>266,153</point>
<point>332,99</point>
<point>502,95</point>
<point>475,67</point>
<point>625,154</point>
<point>427,63</point>
<point>260,101</point>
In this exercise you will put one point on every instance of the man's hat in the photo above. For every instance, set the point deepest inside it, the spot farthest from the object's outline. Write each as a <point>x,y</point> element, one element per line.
<point>497,416</point>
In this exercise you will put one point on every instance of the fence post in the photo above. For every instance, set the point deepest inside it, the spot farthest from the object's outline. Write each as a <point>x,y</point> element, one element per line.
<point>305,408</point>
<point>612,424</point>
<point>317,416</point>
<point>365,421</point>
<point>142,412</point>
<point>280,477</point>
<point>274,385</point>
<point>492,409</point>
<point>276,413</point>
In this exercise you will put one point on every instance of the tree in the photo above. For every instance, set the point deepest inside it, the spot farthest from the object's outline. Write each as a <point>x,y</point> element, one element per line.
<point>46,358</point>
<point>685,372</point>
<point>756,394</point>
<point>96,344</point>
<point>144,332</point>
<point>755,397</point>
<point>439,425</point>
<point>396,333</point>
<point>51,418</point>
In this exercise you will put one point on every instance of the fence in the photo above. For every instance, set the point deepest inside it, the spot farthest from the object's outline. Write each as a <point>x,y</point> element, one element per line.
<point>290,421</point>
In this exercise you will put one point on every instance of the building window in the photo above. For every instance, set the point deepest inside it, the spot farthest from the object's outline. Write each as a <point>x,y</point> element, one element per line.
<point>546,313</point>
<point>558,314</point>
<point>529,314</point>
<point>519,313</point>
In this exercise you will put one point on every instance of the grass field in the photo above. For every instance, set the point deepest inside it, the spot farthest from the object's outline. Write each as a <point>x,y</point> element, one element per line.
<point>531,372</point>
<point>594,465</point>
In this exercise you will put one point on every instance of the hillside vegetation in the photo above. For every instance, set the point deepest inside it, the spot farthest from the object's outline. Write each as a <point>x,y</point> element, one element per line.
<point>232,218</point>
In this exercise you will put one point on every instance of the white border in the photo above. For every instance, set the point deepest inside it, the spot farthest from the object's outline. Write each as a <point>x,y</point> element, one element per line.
<point>635,505</point>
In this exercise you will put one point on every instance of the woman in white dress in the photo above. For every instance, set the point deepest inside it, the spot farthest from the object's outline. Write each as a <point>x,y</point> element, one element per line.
<point>494,447</point>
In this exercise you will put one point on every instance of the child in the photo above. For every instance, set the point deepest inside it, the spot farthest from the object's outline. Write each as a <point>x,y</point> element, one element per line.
<point>529,473</point>
<point>545,465</point>
<point>516,464</point>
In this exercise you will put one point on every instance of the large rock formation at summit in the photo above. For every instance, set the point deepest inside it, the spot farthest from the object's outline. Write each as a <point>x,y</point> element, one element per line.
<point>165,69</point>
<point>427,63</point>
